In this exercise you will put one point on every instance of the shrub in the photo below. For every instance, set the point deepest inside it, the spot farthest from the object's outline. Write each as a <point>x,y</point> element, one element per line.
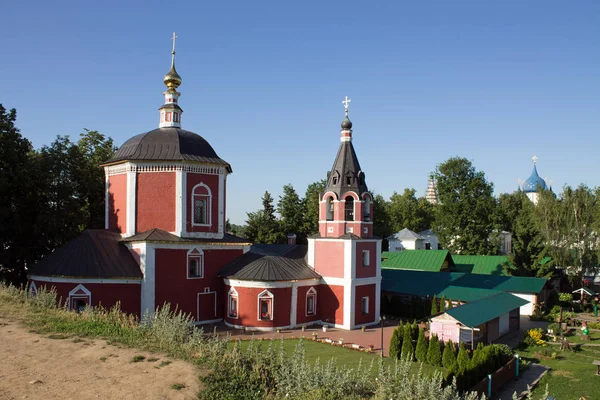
<point>434,353</point>
<point>421,352</point>
<point>396,342</point>
<point>434,305</point>
<point>414,330</point>
<point>408,349</point>
<point>449,357</point>
<point>534,337</point>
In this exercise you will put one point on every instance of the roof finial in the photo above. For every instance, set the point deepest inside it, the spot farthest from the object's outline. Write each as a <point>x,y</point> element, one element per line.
<point>172,79</point>
<point>534,158</point>
<point>346,104</point>
<point>173,51</point>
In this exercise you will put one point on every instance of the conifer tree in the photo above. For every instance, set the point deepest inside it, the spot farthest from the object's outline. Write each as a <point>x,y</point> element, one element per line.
<point>408,349</point>
<point>414,330</point>
<point>434,353</point>
<point>443,303</point>
<point>464,367</point>
<point>434,306</point>
<point>396,342</point>
<point>448,357</point>
<point>421,352</point>
<point>450,305</point>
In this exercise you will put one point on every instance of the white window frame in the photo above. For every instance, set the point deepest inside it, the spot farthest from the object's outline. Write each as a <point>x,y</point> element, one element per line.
<point>265,294</point>
<point>366,255</point>
<point>233,294</point>
<point>311,293</point>
<point>192,254</point>
<point>208,212</point>
<point>364,303</point>
<point>73,295</point>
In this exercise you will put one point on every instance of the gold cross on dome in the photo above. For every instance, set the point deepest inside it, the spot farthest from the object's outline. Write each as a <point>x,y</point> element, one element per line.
<point>534,158</point>
<point>346,103</point>
<point>173,39</point>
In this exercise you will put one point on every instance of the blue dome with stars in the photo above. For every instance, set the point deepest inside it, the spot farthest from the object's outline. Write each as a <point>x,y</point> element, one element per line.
<point>534,182</point>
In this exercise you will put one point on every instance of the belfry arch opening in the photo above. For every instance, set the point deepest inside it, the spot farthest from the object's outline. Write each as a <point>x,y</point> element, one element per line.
<point>349,209</point>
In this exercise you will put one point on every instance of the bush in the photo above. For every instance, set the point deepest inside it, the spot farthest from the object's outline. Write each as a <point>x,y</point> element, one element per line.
<point>534,337</point>
<point>408,350</point>
<point>449,357</point>
<point>434,305</point>
<point>396,342</point>
<point>434,353</point>
<point>421,352</point>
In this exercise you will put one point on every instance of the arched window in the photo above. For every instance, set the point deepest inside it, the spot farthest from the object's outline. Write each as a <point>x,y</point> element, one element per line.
<point>311,301</point>
<point>201,205</point>
<point>195,264</point>
<point>265,306</point>
<point>367,210</point>
<point>329,209</point>
<point>232,303</point>
<point>349,208</point>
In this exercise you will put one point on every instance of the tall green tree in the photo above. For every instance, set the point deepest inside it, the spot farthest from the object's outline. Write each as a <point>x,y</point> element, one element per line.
<point>310,205</point>
<point>382,226</point>
<point>434,352</point>
<point>465,216</point>
<point>291,212</point>
<point>449,357</point>
<point>421,351</point>
<point>406,211</point>
<point>262,226</point>
<point>396,342</point>
<point>408,349</point>
<point>528,246</point>
<point>15,166</point>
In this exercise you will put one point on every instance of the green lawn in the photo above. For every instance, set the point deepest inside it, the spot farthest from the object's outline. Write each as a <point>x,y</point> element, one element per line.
<point>572,374</point>
<point>343,356</point>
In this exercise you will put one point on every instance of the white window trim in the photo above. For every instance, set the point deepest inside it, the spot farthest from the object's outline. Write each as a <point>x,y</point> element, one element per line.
<point>366,261</point>
<point>311,293</point>
<point>233,293</point>
<point>367,303</point>
<point>72,295</point>
<point>266,294</point>
<point>194,253</point>
<point>208,205</point>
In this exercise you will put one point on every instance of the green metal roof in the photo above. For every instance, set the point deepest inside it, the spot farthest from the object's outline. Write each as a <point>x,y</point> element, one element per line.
<point>486,309</point>
<point>466,293</point>
<point>421,283</point>
<point>389,254</point>
<point>419,260</point>
<point>488,265</point>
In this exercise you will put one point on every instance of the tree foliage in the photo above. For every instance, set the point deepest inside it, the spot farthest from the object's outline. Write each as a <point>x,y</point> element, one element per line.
<point>47,196</point>
<point>421,351</point>
<point>434,352</point>
<point>408,350</point>
<point>449,356</point>
<point>407,211</point>
<point>262,226</point>
<point>396,342</point>
<point>465,216</point>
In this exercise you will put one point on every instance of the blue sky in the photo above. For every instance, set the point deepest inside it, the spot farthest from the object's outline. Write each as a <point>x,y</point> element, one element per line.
<point>495,82</point>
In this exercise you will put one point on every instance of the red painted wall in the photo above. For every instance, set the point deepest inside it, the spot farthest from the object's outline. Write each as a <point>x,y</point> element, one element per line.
<point>117,202</point>
<point>103,294</point>
<point>361,270</point>
<point>212,181</point>
<point>329,258</point>
<point>360,292</point>
<point>172,285</point>
<point>248,307</point>
<point>155,207</point>
<point>331,304</point>
<point>301,317</point>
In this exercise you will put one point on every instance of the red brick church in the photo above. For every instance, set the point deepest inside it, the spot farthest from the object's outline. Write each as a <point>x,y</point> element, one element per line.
<point>165,241</point>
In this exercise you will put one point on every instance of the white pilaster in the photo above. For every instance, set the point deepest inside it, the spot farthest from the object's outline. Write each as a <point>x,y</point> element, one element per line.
<point>183,203</point>
<point>131,201</point>
<point>221,202</point>
<point>178,201</point>
<point>311,253</point>
<point>148,267</point>
<point>348,287</point>
<point>106,199</point>
<point>294,305</point>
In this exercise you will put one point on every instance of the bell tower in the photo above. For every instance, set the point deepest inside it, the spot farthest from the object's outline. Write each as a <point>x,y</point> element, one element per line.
<point>345,253</point>
<point>346,206</point>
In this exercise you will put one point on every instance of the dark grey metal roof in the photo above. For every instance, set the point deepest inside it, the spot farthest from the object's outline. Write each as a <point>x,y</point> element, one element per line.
<point>168,144</point>
<point>95,253</point>
<point>159,235</point>
<point>271,263</point>
<point>346,175</point>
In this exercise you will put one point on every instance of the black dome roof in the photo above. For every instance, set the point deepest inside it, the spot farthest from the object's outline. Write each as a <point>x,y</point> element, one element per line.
<point>168,144</point>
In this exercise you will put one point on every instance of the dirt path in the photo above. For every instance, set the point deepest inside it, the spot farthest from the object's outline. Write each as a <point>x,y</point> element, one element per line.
<point>34,366</point>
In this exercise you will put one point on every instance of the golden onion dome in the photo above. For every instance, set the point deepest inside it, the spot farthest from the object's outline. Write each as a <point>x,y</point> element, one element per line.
<point>172,79</point>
